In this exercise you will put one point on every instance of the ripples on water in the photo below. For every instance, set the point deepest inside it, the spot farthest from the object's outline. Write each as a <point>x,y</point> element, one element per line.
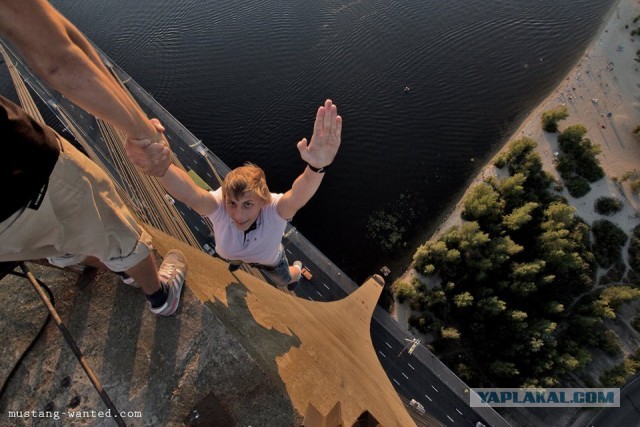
<point>247,77</point>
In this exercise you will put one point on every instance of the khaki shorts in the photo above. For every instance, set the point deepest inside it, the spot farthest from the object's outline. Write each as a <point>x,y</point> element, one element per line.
<point>81,215</point>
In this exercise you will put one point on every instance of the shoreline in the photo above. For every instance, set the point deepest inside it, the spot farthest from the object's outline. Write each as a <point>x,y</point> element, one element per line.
<point>615,92</point>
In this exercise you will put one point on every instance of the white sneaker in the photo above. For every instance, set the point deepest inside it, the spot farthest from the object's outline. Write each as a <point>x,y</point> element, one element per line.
<point>171,273</point>
<point>291,286</point>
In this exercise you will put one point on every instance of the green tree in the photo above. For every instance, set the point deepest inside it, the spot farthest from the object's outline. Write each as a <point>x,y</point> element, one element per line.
<point>634,249</point>
<point>503,369</point>
<point>403,290</point>
<point>512,190</point>
<point>463,300</point>
<point>526,277</point>
<point>577,186</point>
<point>519,216</point>
<point>450,333</point>
<point>492,305</point>
<point>607,205</point>
<point>579,156</point>
<point>608,242</point>
<point>483,205</point>
<point>521,157</point>
<point>614,296</point>
<point>551,118</point>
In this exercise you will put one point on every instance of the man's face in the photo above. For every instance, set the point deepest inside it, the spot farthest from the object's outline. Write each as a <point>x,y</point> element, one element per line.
<point>244,210</point>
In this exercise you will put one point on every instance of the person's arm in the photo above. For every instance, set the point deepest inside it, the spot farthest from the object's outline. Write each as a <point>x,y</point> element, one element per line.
<point>59,53</point>
<point>318,154</point>
<point>180,185</point>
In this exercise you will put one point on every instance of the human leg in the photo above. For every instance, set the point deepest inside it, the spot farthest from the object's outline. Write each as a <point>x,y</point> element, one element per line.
<point>284,274</point>
<point>161,285</point>
<point>82,215</point>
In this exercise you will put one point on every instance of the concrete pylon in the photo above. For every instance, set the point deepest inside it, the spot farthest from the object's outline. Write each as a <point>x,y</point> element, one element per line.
<point>321,351</point>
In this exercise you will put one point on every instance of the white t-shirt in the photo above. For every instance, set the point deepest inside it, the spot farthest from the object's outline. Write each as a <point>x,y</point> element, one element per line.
<point>261,245</point>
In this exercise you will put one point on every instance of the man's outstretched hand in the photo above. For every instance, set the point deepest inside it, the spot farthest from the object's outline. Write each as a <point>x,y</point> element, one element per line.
<point>153,157</point>
<point>325,140</point>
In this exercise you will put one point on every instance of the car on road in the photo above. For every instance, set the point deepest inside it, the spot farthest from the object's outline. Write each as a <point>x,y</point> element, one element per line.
<point>417,406</point>
<point>306,273</point>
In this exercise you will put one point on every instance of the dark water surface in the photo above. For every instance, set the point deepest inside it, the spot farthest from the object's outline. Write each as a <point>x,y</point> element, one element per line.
<point>247,76</point>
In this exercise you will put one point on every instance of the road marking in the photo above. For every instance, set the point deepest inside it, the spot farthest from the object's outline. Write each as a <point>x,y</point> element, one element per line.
<point>288,250</point>
<point>208,174</point>
<point>388,345</point>
<point>310,298</point>
<point>434,389</point>
<point>325,285</point>
<point>196,228</point>
<point>459,411</point>
<point>319,293</point>
<point>394,380</point>
<point>430,400</point>
<point>180,147</point>
<point>450,419</point>
<point>404,375</point>
<point>382,354</point>
<point>411,366</point>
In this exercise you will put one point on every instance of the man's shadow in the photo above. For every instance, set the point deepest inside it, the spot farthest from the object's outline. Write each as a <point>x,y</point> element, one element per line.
<point>264,345</point>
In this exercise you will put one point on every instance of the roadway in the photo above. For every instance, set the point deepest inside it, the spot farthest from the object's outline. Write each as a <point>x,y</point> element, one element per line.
<point>627,415</point>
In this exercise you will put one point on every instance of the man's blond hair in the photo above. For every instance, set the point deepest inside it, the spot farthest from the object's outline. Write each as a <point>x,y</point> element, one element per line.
<point>244,179</point>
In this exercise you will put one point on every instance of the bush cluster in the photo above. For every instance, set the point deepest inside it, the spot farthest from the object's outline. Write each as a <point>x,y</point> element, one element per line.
<point>634,249</point>
<point>608,242</point>
<point>577,162</point>
<point>607,205</point>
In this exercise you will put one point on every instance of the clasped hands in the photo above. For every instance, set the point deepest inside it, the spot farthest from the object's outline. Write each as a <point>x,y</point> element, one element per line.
<point>153,157</point>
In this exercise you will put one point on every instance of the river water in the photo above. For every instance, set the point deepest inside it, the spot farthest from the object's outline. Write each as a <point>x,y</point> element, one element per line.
<point>247,76</point>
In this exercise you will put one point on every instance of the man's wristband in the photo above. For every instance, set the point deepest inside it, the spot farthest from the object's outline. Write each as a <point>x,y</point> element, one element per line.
<point>318,170</point>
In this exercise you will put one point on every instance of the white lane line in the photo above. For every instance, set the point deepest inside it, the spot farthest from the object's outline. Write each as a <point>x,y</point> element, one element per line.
<point>325,285</point>
<point>310,299</point>
<point>208,174</point>
<point>180,147</point>
<point>459,411</point>
<point>319,293</point>
<point>411,366</point>
<point>404,375</point>
<point>196,228</point>
<point>450,418</point>
<point>394,380</point>
<point>382,354</point>
<point>388,345</point>
<point>288,250</point>
<point>434,389</point>
<point>430,400</point>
